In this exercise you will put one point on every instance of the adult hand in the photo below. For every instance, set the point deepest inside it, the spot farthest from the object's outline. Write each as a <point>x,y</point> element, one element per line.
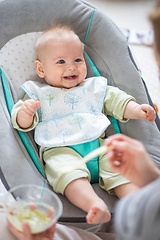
<point>26,234</point>
<point>130,158</point>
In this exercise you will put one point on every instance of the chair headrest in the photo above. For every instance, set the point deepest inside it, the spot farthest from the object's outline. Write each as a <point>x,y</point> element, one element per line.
<point>17,58</point>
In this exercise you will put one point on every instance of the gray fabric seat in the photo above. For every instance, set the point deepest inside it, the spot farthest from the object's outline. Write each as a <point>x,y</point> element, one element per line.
<point>109,51</point>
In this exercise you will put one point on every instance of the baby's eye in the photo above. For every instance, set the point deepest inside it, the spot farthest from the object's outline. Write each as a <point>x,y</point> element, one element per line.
<point>78,60</point>
<point>61,61</point>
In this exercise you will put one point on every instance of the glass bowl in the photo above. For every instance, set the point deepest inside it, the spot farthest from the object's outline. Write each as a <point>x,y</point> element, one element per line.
<point>37,205</point>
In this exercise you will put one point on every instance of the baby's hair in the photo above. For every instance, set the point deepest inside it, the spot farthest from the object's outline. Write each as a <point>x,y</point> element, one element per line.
<point>60,26</point>
<point>55,28</point>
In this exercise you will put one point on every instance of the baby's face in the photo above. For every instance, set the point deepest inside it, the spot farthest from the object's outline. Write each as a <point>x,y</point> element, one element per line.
<point>63,62</point>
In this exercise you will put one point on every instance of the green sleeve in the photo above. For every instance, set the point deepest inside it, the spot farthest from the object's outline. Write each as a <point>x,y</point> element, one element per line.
<point>14,112</point>
<point>115,103</point>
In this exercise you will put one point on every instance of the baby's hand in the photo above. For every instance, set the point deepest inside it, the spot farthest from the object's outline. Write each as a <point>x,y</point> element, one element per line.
<point>146,112</point>
<point>26,113</point>
<point>29,108</point>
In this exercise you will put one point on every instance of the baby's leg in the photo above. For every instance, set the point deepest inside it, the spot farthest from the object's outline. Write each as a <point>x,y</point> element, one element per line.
<point>75,184</point>
<point>81,194</point>
<point>125,189</point>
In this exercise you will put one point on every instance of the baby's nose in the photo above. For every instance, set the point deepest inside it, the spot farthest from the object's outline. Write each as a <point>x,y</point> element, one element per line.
<point>71,67</point>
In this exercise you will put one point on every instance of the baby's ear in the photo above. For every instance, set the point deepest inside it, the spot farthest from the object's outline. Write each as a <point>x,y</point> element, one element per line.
<point>39,69</point>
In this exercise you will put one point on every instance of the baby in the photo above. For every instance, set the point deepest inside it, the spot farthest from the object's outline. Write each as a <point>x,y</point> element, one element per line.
<point>69,114</point>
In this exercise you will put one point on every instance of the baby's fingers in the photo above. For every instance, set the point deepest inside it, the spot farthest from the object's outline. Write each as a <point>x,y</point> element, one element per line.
<point>151,115</point>
<point>148,113</point>
<point>30,106</point>
<point>151,118</point>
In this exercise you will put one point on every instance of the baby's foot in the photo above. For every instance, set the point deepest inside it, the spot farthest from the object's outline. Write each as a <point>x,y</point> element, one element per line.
<point>98,214</point>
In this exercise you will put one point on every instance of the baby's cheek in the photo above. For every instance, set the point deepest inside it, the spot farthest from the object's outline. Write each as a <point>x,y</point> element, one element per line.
<point>84,72</point>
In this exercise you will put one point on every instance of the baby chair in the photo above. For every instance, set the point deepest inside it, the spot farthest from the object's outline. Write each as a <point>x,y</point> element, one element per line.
<point>106,52</point>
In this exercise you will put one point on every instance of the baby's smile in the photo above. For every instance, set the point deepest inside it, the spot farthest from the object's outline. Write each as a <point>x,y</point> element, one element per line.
<point>70,78</point>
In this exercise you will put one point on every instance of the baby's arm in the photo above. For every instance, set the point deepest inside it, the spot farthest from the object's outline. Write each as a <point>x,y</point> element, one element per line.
<point>135,111</point>
<point>26,113</point>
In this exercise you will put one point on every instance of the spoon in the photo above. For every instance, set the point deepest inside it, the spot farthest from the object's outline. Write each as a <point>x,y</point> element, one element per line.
<point>97,152</point>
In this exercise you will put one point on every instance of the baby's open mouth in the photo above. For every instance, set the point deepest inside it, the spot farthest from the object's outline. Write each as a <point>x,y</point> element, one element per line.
<point>72,77</point>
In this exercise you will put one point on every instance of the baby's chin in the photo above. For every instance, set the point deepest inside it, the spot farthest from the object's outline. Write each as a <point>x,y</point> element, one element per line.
<point>70,83</point>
